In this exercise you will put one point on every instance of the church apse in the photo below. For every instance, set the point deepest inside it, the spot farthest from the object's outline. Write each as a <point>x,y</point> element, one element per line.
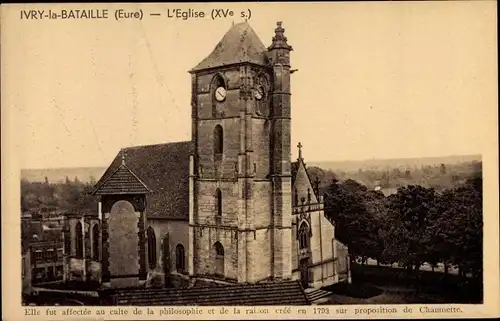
<point>81,248</point>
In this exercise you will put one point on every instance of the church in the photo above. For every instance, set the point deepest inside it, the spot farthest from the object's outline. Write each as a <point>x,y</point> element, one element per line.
<point>227,207</point>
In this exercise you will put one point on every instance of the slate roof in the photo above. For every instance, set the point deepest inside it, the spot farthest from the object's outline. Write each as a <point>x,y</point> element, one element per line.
<point>301,183</point>
<point>122,181</point>
<point>239,44</point>
<point>272,293</point>
<point>163,169</point>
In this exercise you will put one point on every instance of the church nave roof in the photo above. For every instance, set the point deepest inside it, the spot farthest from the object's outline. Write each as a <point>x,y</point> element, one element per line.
<point>163,170</point>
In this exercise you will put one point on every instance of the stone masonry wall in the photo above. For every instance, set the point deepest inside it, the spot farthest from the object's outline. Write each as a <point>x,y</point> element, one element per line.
<point>204,259</point>
<point>177,234</point>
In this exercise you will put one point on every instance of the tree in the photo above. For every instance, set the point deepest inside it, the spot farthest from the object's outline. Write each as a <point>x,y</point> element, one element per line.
<point>376,205</point>
<point>458,230</point>
<point>345,204</point>
<point>409,213</point>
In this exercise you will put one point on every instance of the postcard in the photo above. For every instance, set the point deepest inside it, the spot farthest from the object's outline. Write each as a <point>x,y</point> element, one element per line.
<point>250,160</point>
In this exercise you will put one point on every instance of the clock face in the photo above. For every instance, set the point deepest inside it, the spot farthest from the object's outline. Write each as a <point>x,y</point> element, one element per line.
<point>258,93</point>
<point>220,94</point>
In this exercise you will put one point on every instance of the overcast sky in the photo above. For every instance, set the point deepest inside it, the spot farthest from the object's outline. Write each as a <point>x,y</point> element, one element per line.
<point>375,80</point>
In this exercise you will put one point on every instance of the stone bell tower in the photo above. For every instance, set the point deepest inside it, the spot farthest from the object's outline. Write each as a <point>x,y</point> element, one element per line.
<point>240,223</point>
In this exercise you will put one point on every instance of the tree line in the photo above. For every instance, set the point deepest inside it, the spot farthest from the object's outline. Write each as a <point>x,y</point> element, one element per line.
<point>67,196</point>
<point>413,226</point>
<point>438,176</point>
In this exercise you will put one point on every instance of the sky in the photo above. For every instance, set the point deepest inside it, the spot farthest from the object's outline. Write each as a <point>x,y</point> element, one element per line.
<point>374,80</point>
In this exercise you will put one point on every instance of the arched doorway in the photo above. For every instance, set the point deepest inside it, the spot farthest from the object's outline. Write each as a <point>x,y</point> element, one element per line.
<point>218,250</point>
<point>303,236</point>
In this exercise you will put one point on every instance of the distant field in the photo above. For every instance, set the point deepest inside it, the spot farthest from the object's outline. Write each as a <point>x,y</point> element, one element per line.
<point>401,163</point>
<point>85,174</point>
<point>56,175</point>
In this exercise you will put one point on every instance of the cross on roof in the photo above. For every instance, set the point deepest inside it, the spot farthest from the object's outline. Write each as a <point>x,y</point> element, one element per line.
<point>300,150</point>
<point>124,153</point>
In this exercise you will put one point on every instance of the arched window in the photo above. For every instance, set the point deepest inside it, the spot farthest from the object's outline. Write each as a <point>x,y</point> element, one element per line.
<point>180,258</point>
<point>218,202</point>
<point>95,242</point>
<point>79,241</point>
<point>151,247</point>
<point>304,236</point>
<point>218,140</point>
<point>219,258</point>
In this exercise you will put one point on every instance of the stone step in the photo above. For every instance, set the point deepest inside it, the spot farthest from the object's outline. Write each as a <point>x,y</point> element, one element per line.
<point>315,295</point>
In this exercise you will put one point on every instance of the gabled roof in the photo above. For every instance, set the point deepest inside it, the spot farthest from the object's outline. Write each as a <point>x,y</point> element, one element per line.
<point>164,170</point>
<point>239,44</point>
<point>272,293</point>
<point>301,182</point>
<point>122,181</point>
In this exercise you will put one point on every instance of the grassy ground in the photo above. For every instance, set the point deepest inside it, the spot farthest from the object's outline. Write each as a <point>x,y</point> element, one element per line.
<point>377,292</point>
<point>397,286</point>
<point>382,295</point>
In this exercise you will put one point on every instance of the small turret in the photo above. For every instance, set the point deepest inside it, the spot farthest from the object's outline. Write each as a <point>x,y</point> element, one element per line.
<point>279,39</point>
<point>279,50</point>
